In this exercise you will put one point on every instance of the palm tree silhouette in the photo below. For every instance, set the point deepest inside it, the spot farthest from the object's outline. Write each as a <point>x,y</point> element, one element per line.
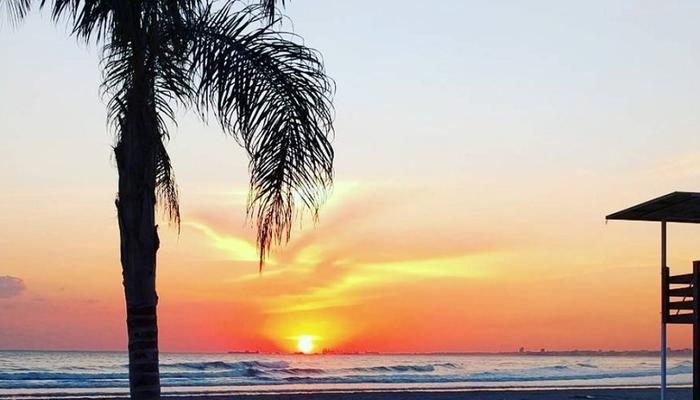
<point>226,61</point>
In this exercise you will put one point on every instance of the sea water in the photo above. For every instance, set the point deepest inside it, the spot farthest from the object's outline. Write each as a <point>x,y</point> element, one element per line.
<point>34,372</point>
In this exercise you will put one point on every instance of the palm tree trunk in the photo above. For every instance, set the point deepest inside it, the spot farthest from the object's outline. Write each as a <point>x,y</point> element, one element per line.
<point>139,244</point>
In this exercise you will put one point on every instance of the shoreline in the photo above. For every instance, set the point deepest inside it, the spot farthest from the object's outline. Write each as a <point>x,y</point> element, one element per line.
<point>498,394</point>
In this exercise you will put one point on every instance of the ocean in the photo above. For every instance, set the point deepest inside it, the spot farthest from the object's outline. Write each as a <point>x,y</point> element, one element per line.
<point>35,372</point>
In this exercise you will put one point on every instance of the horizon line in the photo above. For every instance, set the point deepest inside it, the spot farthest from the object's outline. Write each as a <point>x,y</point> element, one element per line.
<point>360,353</point>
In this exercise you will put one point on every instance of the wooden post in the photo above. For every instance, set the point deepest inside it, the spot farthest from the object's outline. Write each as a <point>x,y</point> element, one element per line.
<point>696,332</point>
<point>664,308</point>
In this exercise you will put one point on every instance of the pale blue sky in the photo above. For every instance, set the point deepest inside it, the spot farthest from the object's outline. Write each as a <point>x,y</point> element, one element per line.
<point>489,105</point>
<point>450,88</point>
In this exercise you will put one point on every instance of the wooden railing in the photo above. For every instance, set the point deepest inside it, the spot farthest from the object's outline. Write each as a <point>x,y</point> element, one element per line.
<point>679,305</point>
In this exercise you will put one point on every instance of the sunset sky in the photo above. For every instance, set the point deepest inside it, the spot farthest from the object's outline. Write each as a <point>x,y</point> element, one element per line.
<point>479,146</point>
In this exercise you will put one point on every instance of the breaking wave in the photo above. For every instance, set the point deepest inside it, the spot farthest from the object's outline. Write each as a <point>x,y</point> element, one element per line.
<point>208,371</point>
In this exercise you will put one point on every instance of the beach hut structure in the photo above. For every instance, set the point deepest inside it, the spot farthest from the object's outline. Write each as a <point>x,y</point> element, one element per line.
<point>680,300</point>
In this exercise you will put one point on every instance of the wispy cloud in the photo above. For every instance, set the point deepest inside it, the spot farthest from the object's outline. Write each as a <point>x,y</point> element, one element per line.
<point>352,255</point>
<point>358,282</point>
<point>233,247</point>
<point>11,286</point>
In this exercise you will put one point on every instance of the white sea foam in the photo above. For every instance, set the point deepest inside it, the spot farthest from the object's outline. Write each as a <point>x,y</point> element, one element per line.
<point>75,370</point>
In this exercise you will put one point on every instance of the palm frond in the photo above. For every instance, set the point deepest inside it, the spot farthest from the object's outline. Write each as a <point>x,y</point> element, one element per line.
<point>143,34</point>
<point>270,8</point>
<point>265,88</point>
<point>167,193</point>
<point>15,10</point>
<point>168,77</point>
<point>101,20</point>
<point>274,96</point>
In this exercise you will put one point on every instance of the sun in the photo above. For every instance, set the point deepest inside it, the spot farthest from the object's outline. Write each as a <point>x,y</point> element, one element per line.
<point>305,344</point>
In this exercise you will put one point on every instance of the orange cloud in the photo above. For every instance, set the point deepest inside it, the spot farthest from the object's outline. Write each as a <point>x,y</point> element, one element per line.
<point>342,264</point>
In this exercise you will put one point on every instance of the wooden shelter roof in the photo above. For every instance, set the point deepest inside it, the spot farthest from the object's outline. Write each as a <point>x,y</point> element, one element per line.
<point>673,207</point>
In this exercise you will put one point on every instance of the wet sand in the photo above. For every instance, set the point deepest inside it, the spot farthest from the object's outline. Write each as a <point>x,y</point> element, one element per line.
<point>524,394</point>
<point>568,394</point>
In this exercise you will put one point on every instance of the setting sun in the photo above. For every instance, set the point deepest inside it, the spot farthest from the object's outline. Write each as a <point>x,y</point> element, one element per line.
<point>305,344</point>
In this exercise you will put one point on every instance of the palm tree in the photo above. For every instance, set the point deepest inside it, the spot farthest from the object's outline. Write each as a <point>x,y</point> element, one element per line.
<point>226,61</point>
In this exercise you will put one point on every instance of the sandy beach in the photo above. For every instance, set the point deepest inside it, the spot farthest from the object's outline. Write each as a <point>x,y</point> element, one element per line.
<point>549,394</point>
<point>617,394</point>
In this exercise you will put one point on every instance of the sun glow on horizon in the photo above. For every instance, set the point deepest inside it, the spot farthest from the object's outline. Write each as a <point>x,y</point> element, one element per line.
<point>305,344</point>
